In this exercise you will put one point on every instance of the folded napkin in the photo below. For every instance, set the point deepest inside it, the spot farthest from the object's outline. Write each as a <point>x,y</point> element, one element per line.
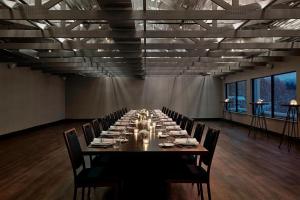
<point>166,120</point>
<point>169,123</point>
<point>179,133</point>
<point>176,127</point>
<point>186,141</point>
<point>103,141</point>
<point>117,127</point>
<point>110,133</point>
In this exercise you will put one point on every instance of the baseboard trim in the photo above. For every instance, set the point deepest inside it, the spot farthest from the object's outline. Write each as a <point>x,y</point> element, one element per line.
<point>15,133</point>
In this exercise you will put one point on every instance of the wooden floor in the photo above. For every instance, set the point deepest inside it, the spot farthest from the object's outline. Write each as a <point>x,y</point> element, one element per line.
<point>36,166</point>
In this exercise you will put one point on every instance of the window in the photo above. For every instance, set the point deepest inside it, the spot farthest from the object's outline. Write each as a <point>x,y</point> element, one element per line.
<point>284,91</point>
<point>231,95</point>
<point>276,90</point>
<point>236,93</point>
<point>241,96</point>
<point>262,90</point>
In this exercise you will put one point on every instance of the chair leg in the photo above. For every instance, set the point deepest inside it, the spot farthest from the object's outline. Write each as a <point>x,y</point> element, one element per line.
<point>208,191</point>
<point>82,193</point>
<point>89,193</point>
<point>201,191</point>
<point>75,193</point>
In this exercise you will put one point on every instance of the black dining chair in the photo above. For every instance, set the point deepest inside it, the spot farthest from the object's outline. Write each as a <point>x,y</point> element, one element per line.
<point>97,128</point>
<point>195,173</point>
<point>175,116</point>
<point>178,120</point>
<point>183,122</point>
<point>88,132</point>
<point>104,124</point>
<point>199,132</point>
<point>189,126</point>
<point>163,109</point>
<point>87,177</point>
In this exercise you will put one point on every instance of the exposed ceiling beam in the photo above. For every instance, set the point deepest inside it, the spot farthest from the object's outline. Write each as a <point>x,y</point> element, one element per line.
<point>51,3</point>
<point>219,33</point>
<point>201,45</point>
<point>32,13</point>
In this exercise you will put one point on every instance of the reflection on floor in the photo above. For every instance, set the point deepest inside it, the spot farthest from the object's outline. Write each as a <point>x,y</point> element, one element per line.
<point>35,165</point>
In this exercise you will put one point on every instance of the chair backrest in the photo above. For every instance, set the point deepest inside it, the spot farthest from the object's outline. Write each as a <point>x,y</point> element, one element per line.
<point>210,144</point>
<point>74,149</point>
<point>189,126</point>
<point>125,110</point>
<point>163,109</point>
<point>171,114</point>
<point>167,111</point>
<point>178,120</point>
<point>175,116</point>
<point>97,127</point>
<point>105,123</point>
<point>199,132</point>
<point>183,122</point>
<point>88,132</point>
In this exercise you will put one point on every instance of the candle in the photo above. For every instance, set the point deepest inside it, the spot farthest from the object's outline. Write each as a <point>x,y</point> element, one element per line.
<point>135,131</point>
<point>293,102</point>
<point>226,100</point>
<point>159,133</point>
<point>136,123</point>
<point>146,140</point>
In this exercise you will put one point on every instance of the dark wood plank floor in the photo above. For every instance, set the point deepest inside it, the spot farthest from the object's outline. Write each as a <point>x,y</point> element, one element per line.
<point>35,165</point>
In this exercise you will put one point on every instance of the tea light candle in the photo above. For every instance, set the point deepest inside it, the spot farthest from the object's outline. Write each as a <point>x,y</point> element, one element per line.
<point>154,126</point>
<point>226,100</point>
<point>293,102</point>
<point>136,123</point>
<point>146,140</point>
<point>159,133</point>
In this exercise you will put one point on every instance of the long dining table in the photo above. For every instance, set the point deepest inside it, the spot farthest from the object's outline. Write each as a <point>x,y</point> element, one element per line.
<point>135,144</point>
<point>140,161</point>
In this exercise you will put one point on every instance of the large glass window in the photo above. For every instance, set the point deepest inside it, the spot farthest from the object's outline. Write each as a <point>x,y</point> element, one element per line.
<point>231,95</point>
<point>275,90</point>
<point>262,90</point>
<point>236,93</point>
<point>284,91</point>
<point>241,96</point>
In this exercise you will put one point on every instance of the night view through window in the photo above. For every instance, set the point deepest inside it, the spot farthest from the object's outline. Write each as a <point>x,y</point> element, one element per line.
<point>262,90</point>
<point>236,93</point>
<point>284,90</point>
<point>231,95</point>
<point>241,96</point>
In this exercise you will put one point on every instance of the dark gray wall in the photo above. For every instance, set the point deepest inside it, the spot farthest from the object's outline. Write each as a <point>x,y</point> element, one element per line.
<point>194,96</point>
<point>29,98</point>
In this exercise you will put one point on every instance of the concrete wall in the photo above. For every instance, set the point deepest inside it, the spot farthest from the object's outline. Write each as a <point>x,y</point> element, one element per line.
<point>290,64</point>
<point>193,96</point>
<point>29,98</point>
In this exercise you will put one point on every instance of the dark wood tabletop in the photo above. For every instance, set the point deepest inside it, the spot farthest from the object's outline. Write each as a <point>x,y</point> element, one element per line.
<point>135,145</point>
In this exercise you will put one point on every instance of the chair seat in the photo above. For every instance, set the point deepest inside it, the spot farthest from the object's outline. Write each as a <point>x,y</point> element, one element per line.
<point>188,174</point>
<point>102,160</point>
<point>96,176</point>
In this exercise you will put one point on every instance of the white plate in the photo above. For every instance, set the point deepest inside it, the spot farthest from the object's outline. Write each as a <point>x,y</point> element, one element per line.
<point>103,144</point>
<point>122,140</point>
<point>166,144</point>
<point>163,136</point>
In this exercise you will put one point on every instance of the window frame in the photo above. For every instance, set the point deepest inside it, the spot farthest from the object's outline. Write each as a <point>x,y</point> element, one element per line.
<point>236,110</point>
<point>272,90</point>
